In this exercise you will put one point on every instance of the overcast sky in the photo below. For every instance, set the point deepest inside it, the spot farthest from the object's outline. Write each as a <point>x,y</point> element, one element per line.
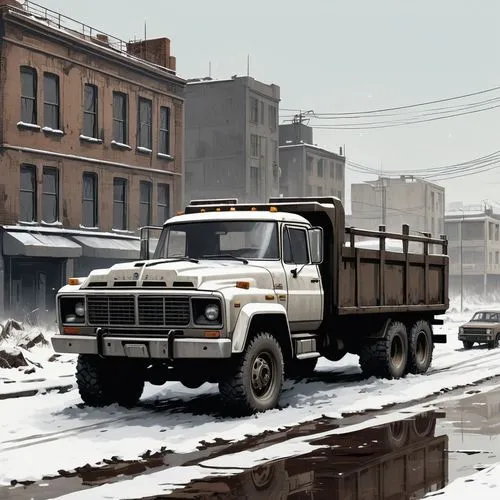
<point>341,56</point>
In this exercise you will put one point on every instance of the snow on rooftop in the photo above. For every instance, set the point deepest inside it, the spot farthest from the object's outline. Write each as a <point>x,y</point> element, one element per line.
<point>87,34</point>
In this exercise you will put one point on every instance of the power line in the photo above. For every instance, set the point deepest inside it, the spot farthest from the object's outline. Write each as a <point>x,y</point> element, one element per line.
<point>409,106</point>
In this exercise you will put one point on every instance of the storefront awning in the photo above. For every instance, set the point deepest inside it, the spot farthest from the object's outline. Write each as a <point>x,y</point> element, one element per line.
<point>27,244</point>
<point>109,248</point>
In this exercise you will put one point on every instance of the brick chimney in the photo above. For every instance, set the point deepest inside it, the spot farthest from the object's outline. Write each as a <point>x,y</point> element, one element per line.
<point>155,51</point>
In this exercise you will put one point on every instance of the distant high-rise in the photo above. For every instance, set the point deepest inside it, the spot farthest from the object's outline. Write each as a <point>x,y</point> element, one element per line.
<point>231,142</point>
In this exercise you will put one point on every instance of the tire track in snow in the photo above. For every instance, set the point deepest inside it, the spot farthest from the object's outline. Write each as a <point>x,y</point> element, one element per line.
<point>341,380</point>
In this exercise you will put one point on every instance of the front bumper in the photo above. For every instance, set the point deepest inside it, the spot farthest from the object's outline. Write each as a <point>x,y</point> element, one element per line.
<point>476,337</point>
<point>144,347</point>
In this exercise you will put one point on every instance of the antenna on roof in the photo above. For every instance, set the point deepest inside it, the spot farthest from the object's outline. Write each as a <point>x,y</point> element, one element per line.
<point>248,65</point>
<point>210,69</point>
<point>145,30</point>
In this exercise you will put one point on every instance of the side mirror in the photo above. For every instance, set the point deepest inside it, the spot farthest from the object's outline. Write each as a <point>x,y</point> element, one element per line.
<point>316,244</point>
<point>145,252</point>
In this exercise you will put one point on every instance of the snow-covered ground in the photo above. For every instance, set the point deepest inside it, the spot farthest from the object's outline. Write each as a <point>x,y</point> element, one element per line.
<point>43,434</point>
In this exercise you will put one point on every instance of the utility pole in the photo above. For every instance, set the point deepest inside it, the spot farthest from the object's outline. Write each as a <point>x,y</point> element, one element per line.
<point>462,261</point>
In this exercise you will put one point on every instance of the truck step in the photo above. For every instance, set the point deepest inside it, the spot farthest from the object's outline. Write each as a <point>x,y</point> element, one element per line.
<point>308,355</point>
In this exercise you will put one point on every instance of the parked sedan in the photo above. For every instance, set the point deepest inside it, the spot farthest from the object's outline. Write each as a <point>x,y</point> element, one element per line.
<point>483,328</point>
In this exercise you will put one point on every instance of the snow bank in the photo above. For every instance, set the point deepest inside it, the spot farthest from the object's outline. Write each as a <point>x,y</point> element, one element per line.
<point>484,484</point>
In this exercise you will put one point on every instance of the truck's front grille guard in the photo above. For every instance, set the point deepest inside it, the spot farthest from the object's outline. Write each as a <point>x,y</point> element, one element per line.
<point>139,310</point>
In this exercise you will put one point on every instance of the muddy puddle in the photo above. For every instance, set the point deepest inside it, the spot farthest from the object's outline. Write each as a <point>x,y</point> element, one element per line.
<point>402,459</point>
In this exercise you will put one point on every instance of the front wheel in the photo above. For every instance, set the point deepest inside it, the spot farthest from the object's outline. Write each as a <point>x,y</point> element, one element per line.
<point>255,380</point>
<point>102,382</point>
<point>467,344</point>
<point>495,343</point>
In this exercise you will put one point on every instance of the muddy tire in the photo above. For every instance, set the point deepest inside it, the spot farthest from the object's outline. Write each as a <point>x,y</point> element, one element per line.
<point>420,347</point>
<point>387,357</point>
<point>300,368</point>
<point>93,381</point>
<point>255,380</point>
<point>467,344</point>
<point>103,382</point>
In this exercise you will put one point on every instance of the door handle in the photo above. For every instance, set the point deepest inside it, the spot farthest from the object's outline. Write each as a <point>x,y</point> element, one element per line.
<point>315,280</point>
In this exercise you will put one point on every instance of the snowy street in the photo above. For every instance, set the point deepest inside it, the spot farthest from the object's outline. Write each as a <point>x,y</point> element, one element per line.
<point>52,434</point>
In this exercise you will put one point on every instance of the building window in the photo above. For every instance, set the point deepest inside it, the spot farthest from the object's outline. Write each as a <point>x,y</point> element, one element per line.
<point>120,203</point>
<point>254,182</point>
<point>262,114</point>
<point>145,203</point>
<point>145,123</point>
<point>27,212</point>
<point>273,118</point>
<point>320,190</point>
<point>254,146</point>
<point>309,164</point>
<point>254,110</point>
<point>51,101</point>
<point>319,168</point>
<point>332,170</point>
<point>89,200</point>
<point>120,118</point>
<point>28,95</point>
<point>164,130</point>
<point>90,111</point>
<point>163,205</point>
<point>340,173</point>
<point>50,195</point>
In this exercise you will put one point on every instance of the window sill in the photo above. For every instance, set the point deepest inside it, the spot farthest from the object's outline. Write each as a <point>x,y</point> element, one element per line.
<point>122,231</point>
<point>52,131</point>
<point>51,224</point>
<point>164,156</point>
<point>120,145</point>
<point>144,151</point>
<point>28,126</point>
<point>87,228</point>
<point>91,140</point>
<point>28,223</point>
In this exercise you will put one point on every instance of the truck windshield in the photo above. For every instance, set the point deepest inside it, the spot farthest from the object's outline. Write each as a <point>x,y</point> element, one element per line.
<point>243,239</point>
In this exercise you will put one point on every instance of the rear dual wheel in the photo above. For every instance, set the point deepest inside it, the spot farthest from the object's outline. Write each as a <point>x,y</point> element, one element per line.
<point>400,352</point>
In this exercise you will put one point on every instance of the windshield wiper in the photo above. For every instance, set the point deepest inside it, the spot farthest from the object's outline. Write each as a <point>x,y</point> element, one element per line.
<point>167,261</point>
<point>224,256</point>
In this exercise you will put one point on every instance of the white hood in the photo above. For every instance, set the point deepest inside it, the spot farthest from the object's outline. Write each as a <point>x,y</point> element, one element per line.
<point>205,275</point>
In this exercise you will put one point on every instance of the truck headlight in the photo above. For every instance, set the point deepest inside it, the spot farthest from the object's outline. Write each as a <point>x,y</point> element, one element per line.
<point>212,312</point>
<point>461,331</point>
<point>80,309</point>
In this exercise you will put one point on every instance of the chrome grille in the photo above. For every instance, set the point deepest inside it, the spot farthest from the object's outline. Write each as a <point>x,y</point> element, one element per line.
<point>475,331</point>
<point>163,311</point>
<point>111,310</point>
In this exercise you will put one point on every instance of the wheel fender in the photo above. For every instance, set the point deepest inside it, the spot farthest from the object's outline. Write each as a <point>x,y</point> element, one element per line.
<point>247,314</point>
<point>381,331</point>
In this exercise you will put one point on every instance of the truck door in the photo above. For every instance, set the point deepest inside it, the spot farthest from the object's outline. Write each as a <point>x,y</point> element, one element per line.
<point>304,289</point>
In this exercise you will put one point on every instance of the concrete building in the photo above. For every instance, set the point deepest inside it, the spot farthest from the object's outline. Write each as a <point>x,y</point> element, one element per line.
<point>394,201</point>
<point>306,169</point>
<point>231,139</point>
<point>91,148</point>
<point>474,250</point>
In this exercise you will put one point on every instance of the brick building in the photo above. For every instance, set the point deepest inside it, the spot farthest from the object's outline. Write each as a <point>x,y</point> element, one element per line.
<point>91,132</point>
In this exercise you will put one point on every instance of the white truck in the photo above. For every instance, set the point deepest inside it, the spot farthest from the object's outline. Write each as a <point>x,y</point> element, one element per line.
<point>243,295</point>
